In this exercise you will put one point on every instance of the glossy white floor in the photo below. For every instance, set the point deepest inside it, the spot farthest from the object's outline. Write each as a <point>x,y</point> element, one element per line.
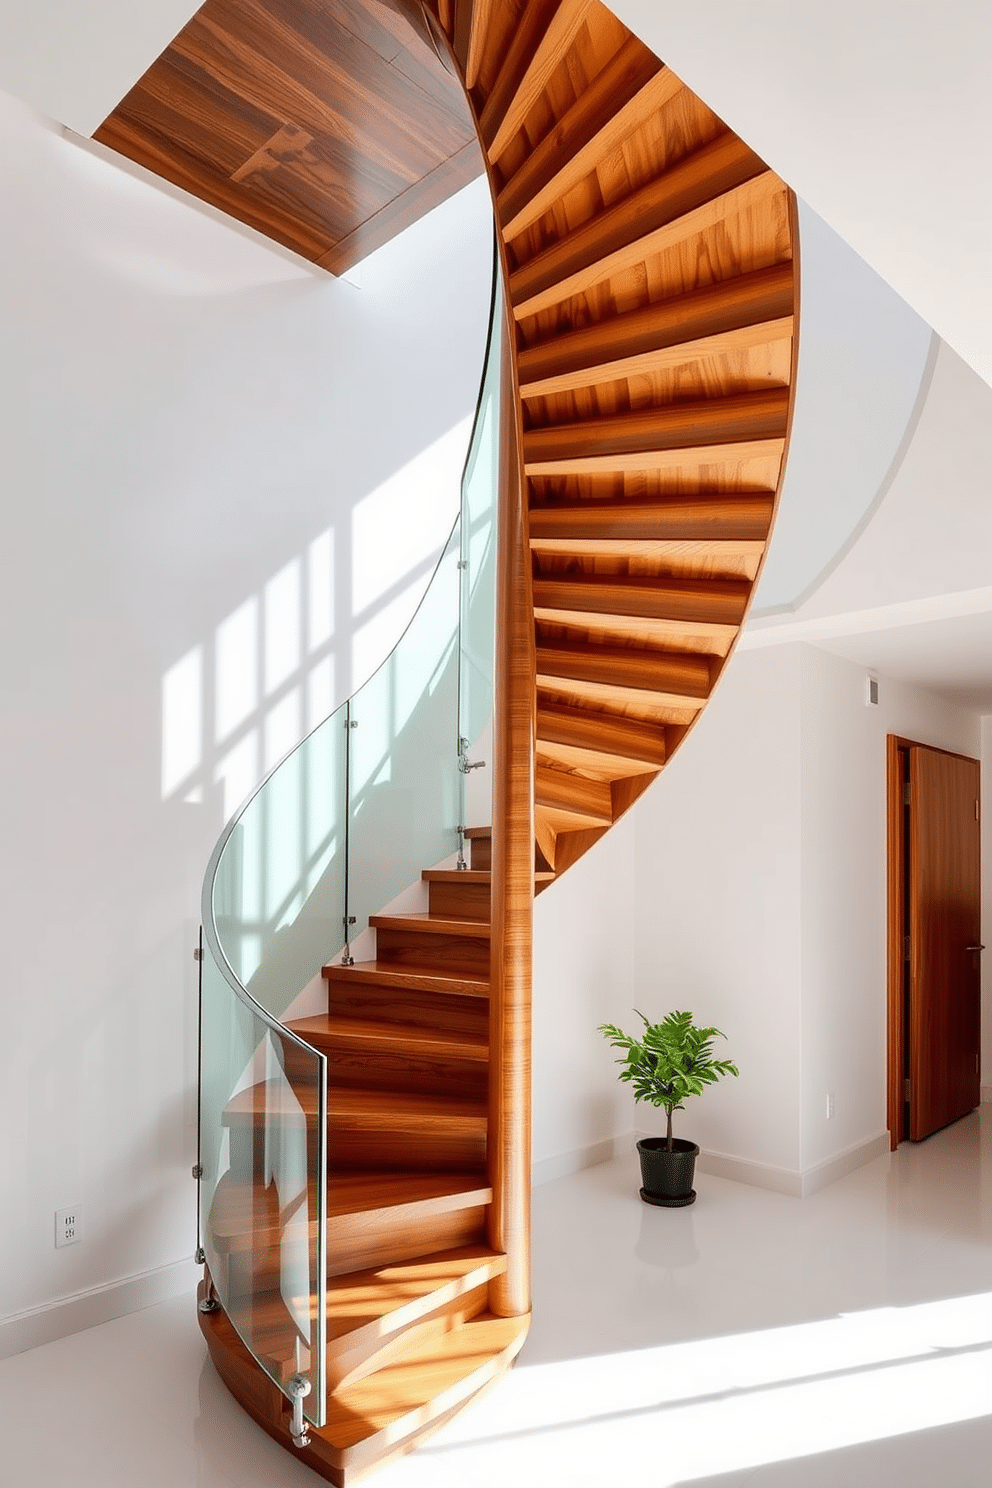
<point>842,1339</point>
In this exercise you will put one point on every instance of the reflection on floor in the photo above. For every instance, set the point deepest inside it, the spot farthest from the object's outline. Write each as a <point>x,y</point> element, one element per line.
<point>844,1339</point>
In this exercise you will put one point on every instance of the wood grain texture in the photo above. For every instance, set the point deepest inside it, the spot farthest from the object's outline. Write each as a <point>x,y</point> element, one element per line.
<point>618,121</point>
<point>717,518</point>
<point>624,76</point>
<point>895,939</point>
<point>944,920</point>
<point>710,173</point>
<point>562,26</point>
<point>327,127</point>
<point>541,288</point>
<point>512,869</point>
<point>380,1417</point>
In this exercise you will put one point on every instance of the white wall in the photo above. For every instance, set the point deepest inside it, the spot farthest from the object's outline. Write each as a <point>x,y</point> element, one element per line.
<point>717,906</point>
<point>760,902</point>
<point>986,810</point>
<point>843,1049</point>
<point>190,425</point>
<point>584,938</point>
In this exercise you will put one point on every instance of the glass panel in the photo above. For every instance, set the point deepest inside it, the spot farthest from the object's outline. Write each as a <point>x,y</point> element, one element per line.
<point>263,1122</point>
<point>478,573</point>
<point>282,867</point>
<point>404,753</point>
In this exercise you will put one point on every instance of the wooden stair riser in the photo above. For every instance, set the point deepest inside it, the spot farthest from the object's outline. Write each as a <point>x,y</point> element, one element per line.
<point>481,856</point>
<point>383,1236</point>
<point>572,792</point>
<point>440,1011</point>
<point>435,1135</point>
<point>446,952</point>
<point>467,901</point>
<point>480,849</point>
<point>443,1149</point>
<point>382,1055</point>
<point>406,1072</point>
<point>603,733</point>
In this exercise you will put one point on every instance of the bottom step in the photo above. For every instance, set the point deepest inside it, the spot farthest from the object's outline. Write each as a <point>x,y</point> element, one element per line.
<point>386,1413</point>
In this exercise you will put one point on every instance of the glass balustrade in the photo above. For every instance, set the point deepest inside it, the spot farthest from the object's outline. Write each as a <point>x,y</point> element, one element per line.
<point>339,831</point>
<point>263,1181</point>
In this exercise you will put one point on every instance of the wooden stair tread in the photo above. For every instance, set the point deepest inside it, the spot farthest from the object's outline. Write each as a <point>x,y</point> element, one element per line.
<point>552,44</point>
<point>756,195</point>
<point>661,633</point>
<point>602,734</point>
<point>363,1305</point>
<point>675,674</point>
<point>428,924</point>
<point>719,421</point>
<point>460,875</point>
<point>714,601</point>
<point>623,119</point>
<point>433,1193</point>
<point>695,181</point>
<point>421,1386</point>
<point>733,343</point>
<point>334,1031</point>
<point>762,297</point>
<point>388,974</point>
<point>361,1298</point>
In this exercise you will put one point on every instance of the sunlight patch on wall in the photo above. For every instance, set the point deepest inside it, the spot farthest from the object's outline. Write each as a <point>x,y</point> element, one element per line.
<point>398,528</point>
<point>237,668</point>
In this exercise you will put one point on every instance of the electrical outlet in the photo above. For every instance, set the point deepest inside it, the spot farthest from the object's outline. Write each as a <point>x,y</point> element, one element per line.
<point>68,1226</point>
<point>830,1106</point>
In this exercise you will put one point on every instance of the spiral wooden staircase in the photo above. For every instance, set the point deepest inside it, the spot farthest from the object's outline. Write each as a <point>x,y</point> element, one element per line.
<point>649,262</point>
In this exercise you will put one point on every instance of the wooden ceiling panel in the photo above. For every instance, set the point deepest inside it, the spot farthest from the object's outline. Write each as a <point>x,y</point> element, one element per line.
<point>328,125</point>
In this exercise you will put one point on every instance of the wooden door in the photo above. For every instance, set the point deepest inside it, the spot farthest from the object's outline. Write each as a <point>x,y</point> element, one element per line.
<point>944,927</point>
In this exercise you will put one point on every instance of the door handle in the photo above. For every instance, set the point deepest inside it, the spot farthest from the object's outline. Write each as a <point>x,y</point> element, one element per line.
<point>975,948</point>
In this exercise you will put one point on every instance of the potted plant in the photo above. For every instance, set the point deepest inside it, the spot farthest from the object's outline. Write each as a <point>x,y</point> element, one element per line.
<point>671,1060</point>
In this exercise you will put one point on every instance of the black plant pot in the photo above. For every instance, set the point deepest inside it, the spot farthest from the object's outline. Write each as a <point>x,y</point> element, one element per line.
<point>667,1176</point>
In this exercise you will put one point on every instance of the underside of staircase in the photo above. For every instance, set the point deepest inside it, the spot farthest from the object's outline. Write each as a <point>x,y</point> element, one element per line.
<point>649,264</point>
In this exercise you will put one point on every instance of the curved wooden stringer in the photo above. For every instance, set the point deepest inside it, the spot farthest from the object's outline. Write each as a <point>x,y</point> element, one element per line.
<point>650,267</point>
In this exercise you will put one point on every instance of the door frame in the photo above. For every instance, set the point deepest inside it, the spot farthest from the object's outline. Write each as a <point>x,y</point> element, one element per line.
<point>896,927</point>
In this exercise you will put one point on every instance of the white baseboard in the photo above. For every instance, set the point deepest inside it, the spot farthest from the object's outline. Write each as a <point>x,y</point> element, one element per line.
<point>785,1180</point>
<point>27,1330</point>
<point>845,1162</point>
<point>546,1169</point>
<point>759,1175</point>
